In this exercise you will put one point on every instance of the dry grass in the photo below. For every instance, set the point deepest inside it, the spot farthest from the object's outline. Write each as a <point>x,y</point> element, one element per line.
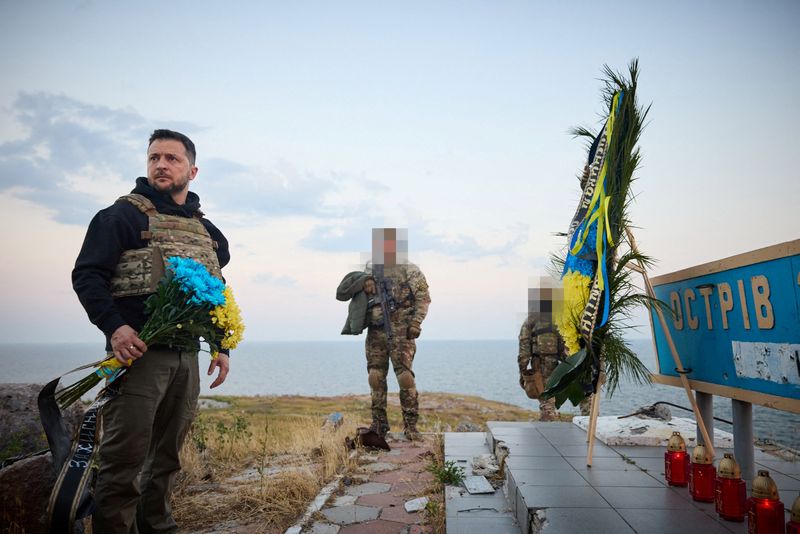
<point>259,462</point>
<point>435,513</point>
<point>235,469</point>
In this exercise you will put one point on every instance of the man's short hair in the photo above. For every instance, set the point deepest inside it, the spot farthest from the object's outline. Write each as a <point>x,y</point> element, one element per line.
<point>191,153</point>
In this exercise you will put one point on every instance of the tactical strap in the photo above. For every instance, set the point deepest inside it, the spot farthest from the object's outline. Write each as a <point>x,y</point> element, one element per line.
<point>146,206</point>
<point>141,202</point>
<point>71,499</point>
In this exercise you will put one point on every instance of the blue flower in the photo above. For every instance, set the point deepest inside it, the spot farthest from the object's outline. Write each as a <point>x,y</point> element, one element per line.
<point>194,279</point>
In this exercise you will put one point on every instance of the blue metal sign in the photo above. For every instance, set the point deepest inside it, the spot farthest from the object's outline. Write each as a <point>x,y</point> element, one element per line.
<point>736,323</point>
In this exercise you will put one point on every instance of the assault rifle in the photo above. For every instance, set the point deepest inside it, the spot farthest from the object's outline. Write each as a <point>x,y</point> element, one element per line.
<point>386,300</point>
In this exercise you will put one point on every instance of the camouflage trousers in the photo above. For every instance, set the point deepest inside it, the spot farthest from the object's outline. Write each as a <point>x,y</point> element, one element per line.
<point>402,357</point>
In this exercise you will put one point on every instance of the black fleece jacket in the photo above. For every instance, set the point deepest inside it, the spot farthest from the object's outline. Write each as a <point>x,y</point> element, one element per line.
<point>112,231</point>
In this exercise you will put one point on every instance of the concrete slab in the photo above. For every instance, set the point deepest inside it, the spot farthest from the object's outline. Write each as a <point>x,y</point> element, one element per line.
<point>459,502</point>
<point>561,496</point>
<point>779,466</point>
<point>646,498</point>
<point>661,521</point>
<point>572,520</point>
<point>529,448</point>
<point>602,463</point>
<point>633,478</point>
<point>464,438</point>
<point>537,462</point>
<point>581,451</point>
<point>547,477</point>
<point>623,491</point>
<point>482,525</point>
<point>649,432</point>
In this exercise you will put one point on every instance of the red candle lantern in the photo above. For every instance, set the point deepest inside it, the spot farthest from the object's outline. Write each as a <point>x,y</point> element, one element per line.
<point>793,526</point>
<point>730,490</point>
<point>764,507</point>
<point>701,475</point>
<point>676,461</point>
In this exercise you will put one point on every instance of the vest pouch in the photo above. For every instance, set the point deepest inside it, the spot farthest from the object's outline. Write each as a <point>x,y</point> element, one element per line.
<point>137,273</point>
<point>532,383</point>
<point>186,238</point>
<point>547,343</point>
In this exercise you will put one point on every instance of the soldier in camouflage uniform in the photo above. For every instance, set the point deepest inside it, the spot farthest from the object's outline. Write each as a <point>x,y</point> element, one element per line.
<point>540,348</point>
<point>398,291</point>
<point>119,265</point>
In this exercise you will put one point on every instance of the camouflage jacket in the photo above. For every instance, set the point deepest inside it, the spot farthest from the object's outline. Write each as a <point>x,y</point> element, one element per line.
<point>113,231</point>
<point>409,294</point>
<point>538,342</point>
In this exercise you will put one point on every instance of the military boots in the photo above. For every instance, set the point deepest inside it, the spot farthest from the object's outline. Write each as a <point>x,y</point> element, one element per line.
<point>411,433</point>
<point>380,427</point>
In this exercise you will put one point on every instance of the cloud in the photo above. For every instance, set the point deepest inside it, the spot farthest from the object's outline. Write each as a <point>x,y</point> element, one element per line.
<point>64,139</point>
<point>355,234</point>
<point>281,190</point>
<point>74,157</point>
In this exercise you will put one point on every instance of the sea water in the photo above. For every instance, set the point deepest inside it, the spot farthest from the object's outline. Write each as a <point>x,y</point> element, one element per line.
<point>486,368</point>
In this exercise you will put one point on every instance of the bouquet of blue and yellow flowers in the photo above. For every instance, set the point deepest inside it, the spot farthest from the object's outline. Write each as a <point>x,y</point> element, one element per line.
<point>189,304</point>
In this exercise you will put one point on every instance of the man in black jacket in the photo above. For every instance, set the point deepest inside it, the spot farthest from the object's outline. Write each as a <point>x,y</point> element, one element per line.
<point>117,268</point>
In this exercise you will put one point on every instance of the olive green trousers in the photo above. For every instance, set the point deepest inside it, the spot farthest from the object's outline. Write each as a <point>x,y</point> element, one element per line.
<point>143,430</point>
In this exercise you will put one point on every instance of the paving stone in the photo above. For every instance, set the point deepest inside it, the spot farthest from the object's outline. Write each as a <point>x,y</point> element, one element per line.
<point>399,514</point>
<point>425,476</point>
<point>368,488</point>
<point>323,528</point>
<point>381,499</point>
<point>390,477</point>
<point>409,488</point>
<point>415,505</point>
<point>344,500</point>
<point>379,526</point>
<point>378,467</point>
<point>353,513</point>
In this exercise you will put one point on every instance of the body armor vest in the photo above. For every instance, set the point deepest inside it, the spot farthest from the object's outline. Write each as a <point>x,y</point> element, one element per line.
<point>547,341</point>
<point>139,270</point>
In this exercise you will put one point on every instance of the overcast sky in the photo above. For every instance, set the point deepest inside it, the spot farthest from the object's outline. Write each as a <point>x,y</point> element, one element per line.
<point>317,121</point>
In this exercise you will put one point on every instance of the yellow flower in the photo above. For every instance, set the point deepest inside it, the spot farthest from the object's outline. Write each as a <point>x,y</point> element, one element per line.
<point>576,293</point>
<point>228,319</point>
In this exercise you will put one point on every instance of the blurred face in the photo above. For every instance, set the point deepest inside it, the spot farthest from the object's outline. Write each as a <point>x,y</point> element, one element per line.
<point>168,167</point>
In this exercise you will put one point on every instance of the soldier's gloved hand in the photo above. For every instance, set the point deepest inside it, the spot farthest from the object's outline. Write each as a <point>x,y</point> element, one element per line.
<point>414,331</point>
<point>369,286</point>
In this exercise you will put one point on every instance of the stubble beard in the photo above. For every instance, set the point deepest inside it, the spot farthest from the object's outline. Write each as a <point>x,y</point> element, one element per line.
<point>172,187</point>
